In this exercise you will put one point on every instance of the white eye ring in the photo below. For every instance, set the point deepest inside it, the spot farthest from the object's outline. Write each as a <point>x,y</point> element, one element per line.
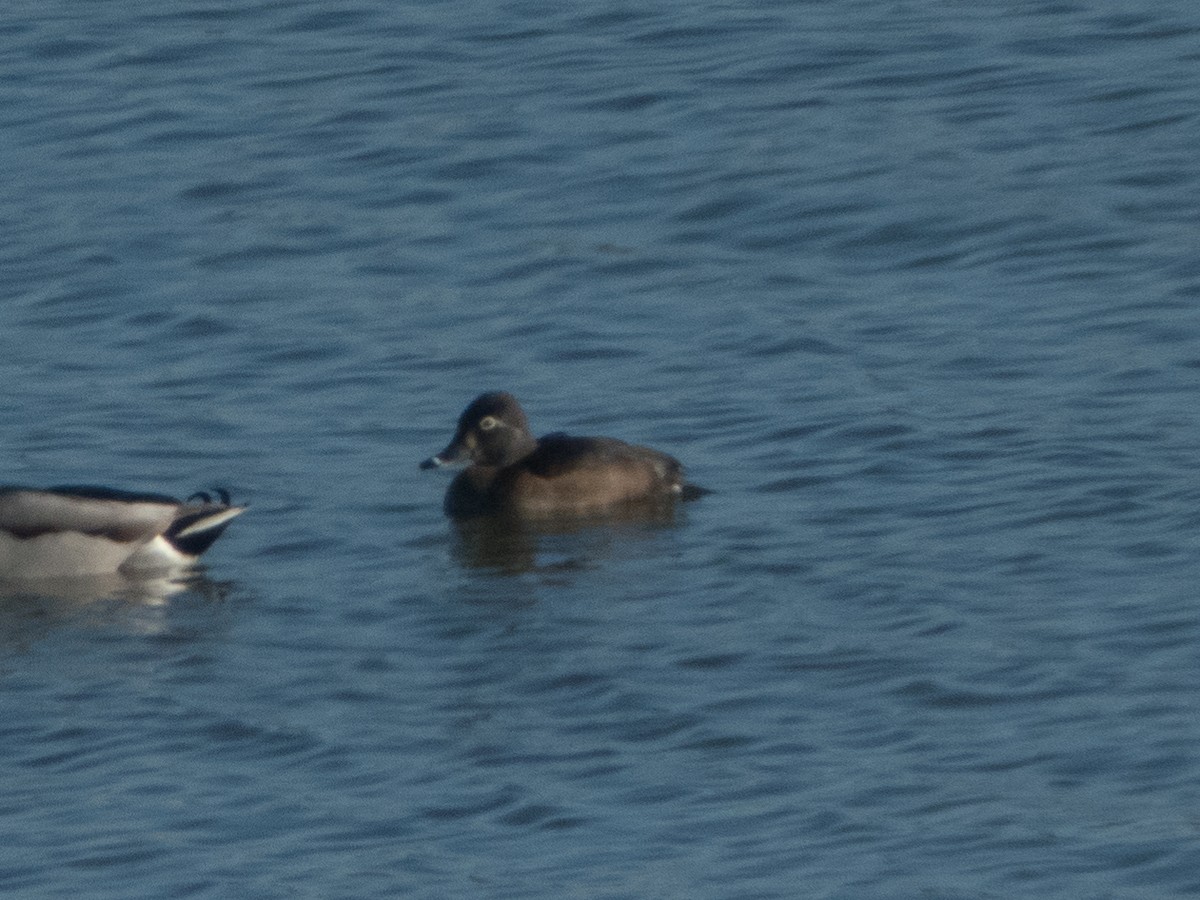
<point>487,423</point>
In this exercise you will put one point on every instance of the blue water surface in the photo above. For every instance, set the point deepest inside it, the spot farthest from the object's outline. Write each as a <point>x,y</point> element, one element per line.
<point>912,286</point>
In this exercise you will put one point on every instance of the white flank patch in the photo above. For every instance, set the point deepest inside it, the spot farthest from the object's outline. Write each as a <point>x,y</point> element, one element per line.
<point>157,555</point>
<point>62,553</point>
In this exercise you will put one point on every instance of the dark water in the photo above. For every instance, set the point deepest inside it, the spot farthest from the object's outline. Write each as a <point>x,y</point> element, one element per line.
<point>913,286</point>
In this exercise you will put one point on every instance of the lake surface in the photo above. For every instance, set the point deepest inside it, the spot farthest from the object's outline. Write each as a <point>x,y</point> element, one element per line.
<point>912,287</point>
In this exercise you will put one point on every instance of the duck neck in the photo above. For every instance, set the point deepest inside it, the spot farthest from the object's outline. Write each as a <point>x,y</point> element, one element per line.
<point>519,446</point>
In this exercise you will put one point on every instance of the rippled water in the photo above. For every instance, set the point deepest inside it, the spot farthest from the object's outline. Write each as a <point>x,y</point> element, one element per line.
<point>912,286</point>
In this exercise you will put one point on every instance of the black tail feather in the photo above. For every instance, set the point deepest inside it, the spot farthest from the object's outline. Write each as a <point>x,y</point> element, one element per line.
<point>196,542</point>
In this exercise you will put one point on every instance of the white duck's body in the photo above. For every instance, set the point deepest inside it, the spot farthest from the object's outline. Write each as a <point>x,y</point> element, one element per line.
<point>69,531</point>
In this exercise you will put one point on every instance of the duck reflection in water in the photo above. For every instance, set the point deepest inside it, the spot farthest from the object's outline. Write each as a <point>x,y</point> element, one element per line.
<point>31,609</point>
<point>511,545</point>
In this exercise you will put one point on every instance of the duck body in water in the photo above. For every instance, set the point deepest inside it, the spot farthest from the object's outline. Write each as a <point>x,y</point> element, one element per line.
<point>84,530</point>
<point>510,472</point>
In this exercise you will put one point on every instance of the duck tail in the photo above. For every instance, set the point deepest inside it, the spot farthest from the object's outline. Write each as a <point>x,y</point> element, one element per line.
<point>196,530</point>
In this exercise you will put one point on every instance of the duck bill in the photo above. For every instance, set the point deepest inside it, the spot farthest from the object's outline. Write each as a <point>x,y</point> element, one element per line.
<point>454,455</point>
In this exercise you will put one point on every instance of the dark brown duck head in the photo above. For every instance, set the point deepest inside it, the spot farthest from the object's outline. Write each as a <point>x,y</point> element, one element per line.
<point>492,431</point>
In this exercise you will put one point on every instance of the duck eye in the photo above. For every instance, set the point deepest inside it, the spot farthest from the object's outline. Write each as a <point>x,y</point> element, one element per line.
<point>487,423</point>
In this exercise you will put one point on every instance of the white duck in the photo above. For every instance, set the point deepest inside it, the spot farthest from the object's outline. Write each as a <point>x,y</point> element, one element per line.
<point>84,530</point>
